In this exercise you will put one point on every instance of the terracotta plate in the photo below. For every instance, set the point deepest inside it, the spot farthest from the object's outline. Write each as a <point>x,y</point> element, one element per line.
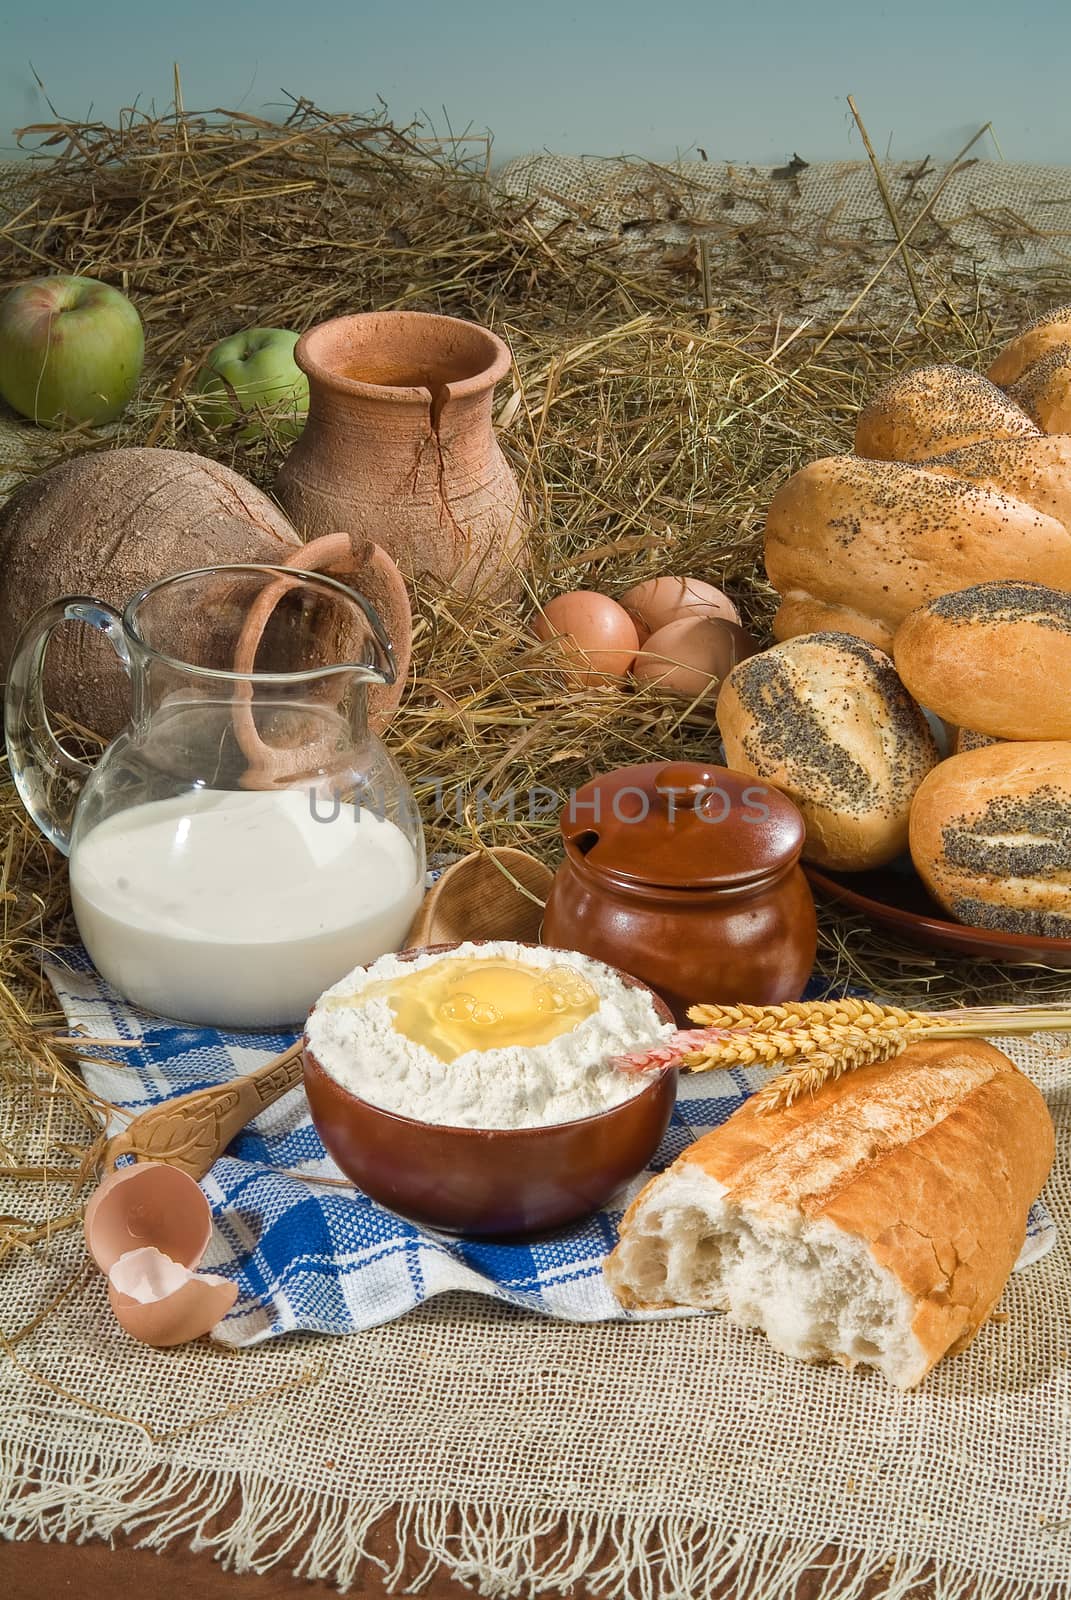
<point>893,897</point>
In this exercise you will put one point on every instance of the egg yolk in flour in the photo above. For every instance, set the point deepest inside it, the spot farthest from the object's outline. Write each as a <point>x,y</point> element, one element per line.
<point>453,1006</point>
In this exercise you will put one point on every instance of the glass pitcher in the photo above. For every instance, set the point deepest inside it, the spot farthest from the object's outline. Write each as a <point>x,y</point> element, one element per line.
<point>246,840</point>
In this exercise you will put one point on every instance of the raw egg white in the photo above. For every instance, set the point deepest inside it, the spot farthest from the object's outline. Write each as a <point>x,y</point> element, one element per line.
<point>657,602</point>
<point>595,635</point>
<point>692,656</point>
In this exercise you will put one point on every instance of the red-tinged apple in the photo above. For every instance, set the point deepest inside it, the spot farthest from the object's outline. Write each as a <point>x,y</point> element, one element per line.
<point>70,350</point>
<point>253,375</point>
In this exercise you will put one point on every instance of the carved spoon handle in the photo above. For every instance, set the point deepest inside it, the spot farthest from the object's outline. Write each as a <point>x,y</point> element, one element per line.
<point>191,1130</point>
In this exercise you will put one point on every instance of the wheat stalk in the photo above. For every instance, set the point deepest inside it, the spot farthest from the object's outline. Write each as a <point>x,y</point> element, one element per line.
<point>817,1041</point>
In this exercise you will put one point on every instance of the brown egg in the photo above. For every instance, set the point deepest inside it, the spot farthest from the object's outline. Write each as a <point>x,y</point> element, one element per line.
<point>692,656</point>
<point>147,1226</point>
<point>594,633</point>
<point>657,602</point>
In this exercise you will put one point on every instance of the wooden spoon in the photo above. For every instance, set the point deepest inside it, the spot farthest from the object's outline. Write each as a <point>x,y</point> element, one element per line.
<point>492,894</point>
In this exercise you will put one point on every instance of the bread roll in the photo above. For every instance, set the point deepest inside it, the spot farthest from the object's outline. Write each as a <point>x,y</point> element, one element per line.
<point>995,658</point>
<point>856,545</point>
<point>1035,341</point>
<point>825,719</point>
<point>1044,390</point>
<point>991,837</point>
<point>929,410</point>
<point>1035,471</point>
<point>874,1223</point>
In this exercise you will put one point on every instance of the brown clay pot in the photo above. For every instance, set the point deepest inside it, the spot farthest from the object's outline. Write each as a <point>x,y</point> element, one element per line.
<point>689,877</point>
<point>399,448</point>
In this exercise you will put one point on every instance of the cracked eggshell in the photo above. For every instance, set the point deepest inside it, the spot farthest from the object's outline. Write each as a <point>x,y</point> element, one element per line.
<point>147,1226</point>
<point>693,656</point>
<point>163,1303</point>
<point>596,636</point>
<point>657,602</point>
<point>148,1204</point>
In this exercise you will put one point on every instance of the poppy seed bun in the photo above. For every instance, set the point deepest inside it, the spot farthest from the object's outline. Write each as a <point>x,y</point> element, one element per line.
<point>874,1222</point>
<point>1035,471</point>
<point>995,658</point>
<point>856,545</point>
<point>1044,390</point>
<point>1027,347</point>
<point>991,837</point>
<point>968,739</point>
<point>825,719</point>
<point>929,410</point>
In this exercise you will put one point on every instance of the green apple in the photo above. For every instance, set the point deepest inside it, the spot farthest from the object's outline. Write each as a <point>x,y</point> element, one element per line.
<point>254,374</point>
<point>70,350</point>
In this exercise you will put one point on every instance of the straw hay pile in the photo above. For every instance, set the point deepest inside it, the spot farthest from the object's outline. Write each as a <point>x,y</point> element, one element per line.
<point>659,401</point>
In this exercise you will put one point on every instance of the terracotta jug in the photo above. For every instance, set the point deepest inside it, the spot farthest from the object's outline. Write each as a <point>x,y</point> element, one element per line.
<point>399,448</point>
<point>688,877</point>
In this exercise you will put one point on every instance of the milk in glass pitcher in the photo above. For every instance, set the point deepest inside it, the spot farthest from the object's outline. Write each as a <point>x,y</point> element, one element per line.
<point>246,839</point>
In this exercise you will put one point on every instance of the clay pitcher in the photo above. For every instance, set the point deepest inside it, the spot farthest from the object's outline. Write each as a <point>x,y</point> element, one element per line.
<point>400,449</point>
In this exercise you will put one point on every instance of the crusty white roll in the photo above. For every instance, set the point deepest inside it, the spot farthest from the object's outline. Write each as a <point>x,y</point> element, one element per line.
<point>929,410</point>
<point>1027,347</point>
<point>1044,390</point>
<point>1036,471</point>
<point>825,719</point>
<point>995,658</point>
<point>874,1223</point>
<point>991,837</point>
<point>856,545</point>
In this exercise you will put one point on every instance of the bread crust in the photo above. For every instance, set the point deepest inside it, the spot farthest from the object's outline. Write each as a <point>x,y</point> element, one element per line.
<point>995,658</point>
<point>990,836</point>
<point>1035,471</point>
<point>1035,341</point>
<point>929,410</point>
<point>825,719</point>
<point>932,1159</point>
<point>1044,390</point>
<point>880,538</point>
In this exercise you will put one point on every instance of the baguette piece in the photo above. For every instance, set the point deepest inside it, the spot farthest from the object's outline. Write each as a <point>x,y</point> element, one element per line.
<point>929,410</point>
<point>990,837</point>
<point>1035,341</point>
<point>1044,390</point>
<point>872,1224</point>
<point>825,719</point>
<point>995,658</point>
<point>856,545</point>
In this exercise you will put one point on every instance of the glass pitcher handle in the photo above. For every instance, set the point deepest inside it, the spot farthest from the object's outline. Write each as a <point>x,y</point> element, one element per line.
<point>48,778</point>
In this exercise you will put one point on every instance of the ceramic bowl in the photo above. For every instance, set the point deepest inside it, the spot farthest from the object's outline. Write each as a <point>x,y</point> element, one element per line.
<point>490,1182</point>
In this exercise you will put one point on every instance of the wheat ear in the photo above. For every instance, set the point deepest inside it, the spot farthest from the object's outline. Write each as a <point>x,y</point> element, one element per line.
<point>819,1040</point>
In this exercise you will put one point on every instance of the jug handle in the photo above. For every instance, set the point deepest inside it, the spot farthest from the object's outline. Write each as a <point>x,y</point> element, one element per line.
<point>48,778</point>
<point>264,760</point>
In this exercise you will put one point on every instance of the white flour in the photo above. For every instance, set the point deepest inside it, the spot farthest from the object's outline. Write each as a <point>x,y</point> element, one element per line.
<point>513,1087</point>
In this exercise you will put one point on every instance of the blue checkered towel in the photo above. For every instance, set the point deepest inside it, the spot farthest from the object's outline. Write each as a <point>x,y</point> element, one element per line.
<point>331,1260</point>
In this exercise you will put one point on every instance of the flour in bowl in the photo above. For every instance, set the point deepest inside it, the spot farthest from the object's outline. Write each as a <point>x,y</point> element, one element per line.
<point>355,1034</point>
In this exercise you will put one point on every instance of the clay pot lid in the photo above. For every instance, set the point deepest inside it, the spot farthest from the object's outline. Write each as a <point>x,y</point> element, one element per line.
<point>682,825</point>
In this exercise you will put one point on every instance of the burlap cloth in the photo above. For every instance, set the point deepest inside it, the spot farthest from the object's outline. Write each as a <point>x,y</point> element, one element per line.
<point>661,1459</point>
